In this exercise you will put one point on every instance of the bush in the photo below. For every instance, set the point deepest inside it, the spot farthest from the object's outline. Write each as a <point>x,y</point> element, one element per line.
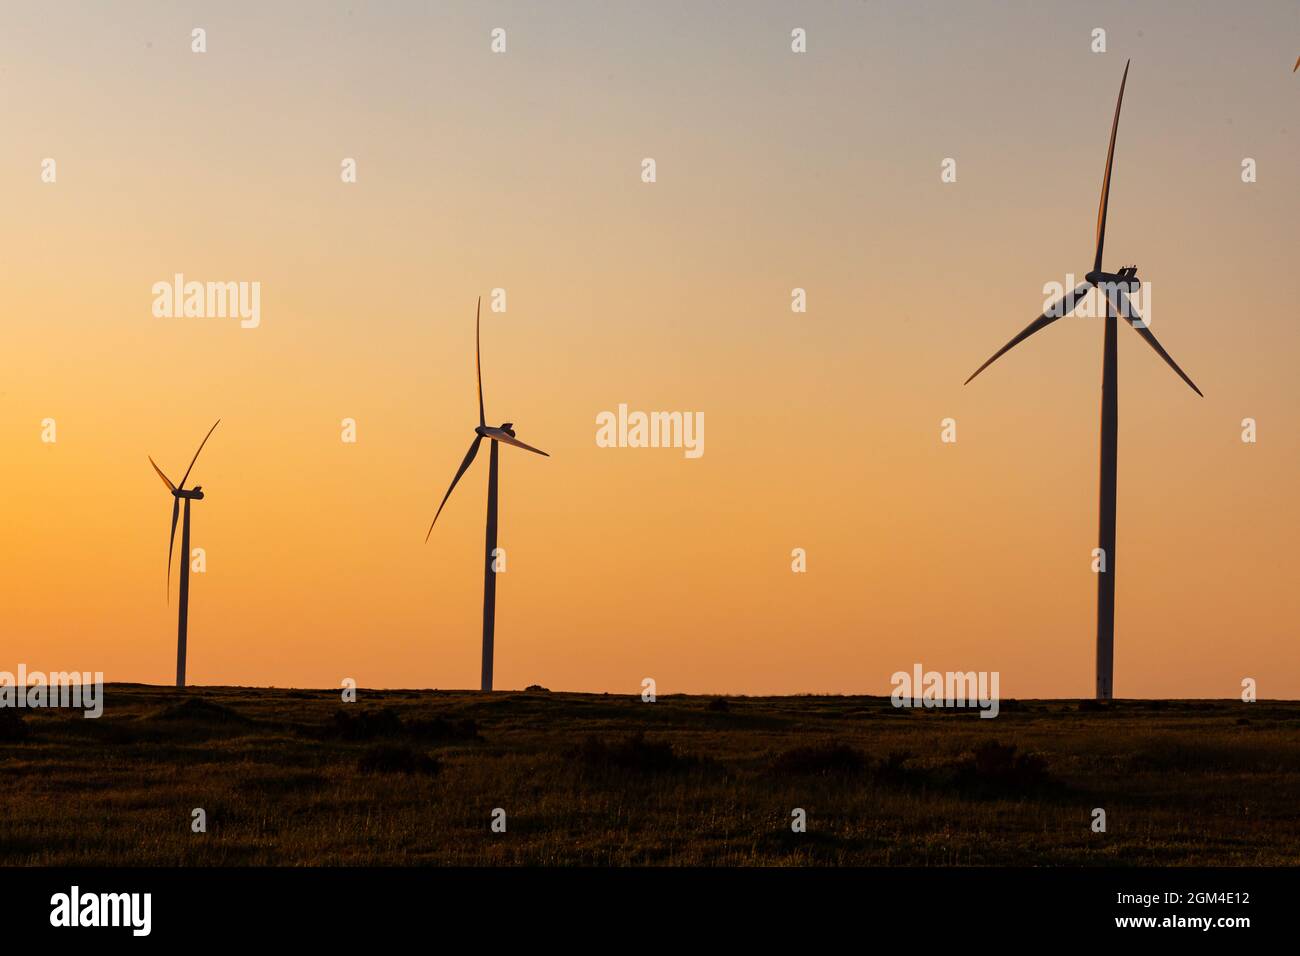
<point>200,710</point>
<point>385,758</point>
<point>999,765</point>
<point>892,765</point>
<point>440,728</point>
<point>12,727</point>
<point>632,753</point>
<point>367,725</point>
<point>821,760</point>
<point>386,724</point>
<point>719,704</point>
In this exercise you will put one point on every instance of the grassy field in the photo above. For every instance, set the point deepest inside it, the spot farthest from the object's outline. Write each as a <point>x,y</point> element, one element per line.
<point>291,777</point>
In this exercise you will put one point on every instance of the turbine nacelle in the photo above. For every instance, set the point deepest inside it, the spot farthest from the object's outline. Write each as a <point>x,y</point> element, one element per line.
<point>487,431</point>
<point>1126,276</point>
<point>194,494</point>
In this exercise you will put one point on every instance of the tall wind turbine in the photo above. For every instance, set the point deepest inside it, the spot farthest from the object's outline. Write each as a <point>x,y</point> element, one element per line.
<point>506,434</point>
<point>1111,287</point>
<point>182,494</point>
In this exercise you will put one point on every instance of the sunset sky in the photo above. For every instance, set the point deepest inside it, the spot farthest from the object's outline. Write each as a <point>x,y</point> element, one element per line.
<point>522,171</point>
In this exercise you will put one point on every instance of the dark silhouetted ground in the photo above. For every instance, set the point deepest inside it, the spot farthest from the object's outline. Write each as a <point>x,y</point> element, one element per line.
<point>412,777</point>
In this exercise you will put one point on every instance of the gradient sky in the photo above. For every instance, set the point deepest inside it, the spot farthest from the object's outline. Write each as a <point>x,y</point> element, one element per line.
<point>522,171</point>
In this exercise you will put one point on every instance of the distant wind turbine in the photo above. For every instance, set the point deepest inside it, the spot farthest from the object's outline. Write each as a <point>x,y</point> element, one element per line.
<point>505,433</point>
<point>178,494</point>
<point>1111,286</point>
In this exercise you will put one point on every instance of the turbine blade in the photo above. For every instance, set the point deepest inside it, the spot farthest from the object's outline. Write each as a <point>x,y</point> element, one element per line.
<point>166,481</point>
<point>176,509</point>
<point>1119,301</point>
<point>478,362</point>
<point>469,457</point>
<point>518,444</point>
<point>196,454</point>
<point>1061,307</point>
<point>1105,182</point>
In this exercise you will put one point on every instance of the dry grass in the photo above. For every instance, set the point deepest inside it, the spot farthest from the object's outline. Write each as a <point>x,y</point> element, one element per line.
<point>412,777</point>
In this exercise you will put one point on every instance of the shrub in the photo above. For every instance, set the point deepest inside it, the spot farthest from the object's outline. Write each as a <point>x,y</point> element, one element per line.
<point>632,753</point>
<point>386,724</point>
<point>12,727</point>
<point>200,710</point>
<point>892,765</point>
<point>999,765</point>
<point>367,725</point>
<point>385,758</point>
<point>440,728</point>
<point>821,760</point>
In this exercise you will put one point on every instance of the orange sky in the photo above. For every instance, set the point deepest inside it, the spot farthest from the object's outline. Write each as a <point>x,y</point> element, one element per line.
<point>522,171</point>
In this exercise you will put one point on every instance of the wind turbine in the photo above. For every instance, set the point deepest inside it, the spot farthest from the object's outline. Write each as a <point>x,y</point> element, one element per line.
<point>1111,286</point>
<point>179,494</point>
<point>506,434</point>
